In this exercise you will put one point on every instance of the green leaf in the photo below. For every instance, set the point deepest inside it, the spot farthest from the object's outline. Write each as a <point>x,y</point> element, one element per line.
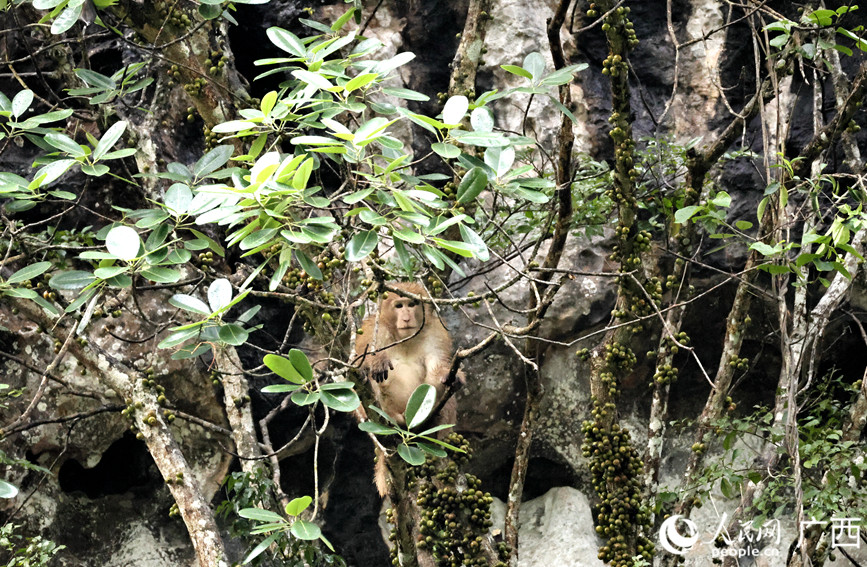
<point>123,242</point>
<point>21,102</point>
<point>157,252</point>
<point>189,303</point>
<point>481,139</point>
<point>408,235</point>
<point>51,171</point>
<point>213,160</point>
<point>233,126</point>
<point>65,144</point>
<point>434,256</point>
<point>219,294</point>
<point>686,213</point>
<point>302,175</point>
<point>360,81</point>
<point>337,386</point>
<point>110,272</point>
<point>260,515</point>
<point>44,304</point>
<point>340,400</point>
<point>563,76</point>
<point>764,249</point>
<point>118,154</point>
<point>472,238</point>
<point>67,18</point>
<point>258,238</point>
<point>109,139</point>
<point>455,246</point>
<point>760,212</point>
<point>376,428</point>
<point>94,79</point>
<point>383,415</point>
<point>446,150</point>
<point>357,196</point>
<point>83,298</point>
<point>534,63</point>
<point>482,119</point>
<point>721,199</point>
<point>301,364</point>
<point>515,70</point>
<point>28,272</point>
<point>405,94</point>
<point>298,505</point>
<point>233,334</point>
<point>287,41</point>
<point>161,275</point>
<point>280,388</point>
<point>440,225</point>
<point>209,11</point>
<point>803,259</point>
<point>432,449</point>
<point>97,170</point>
<point>177,337</point>
<point>500,159</point>
<point>472,184</point>
<point>412,455</point>
<point>178,198</point>
<point>305,530</point>
<point>308,265</point>
<point>72,280</point>
<point>420,404</point>
<point>303,398</point>
<point>775,269</point>
<point>370,130</point>
<point>743,225</point>
<point>282,367</point>
<point>314,79</point>
<point>436,428</point>
<point>455,109</point>
<point>726,488</point>
<point>63,195</point>
<point>360,245</point>
<point>8,490</point>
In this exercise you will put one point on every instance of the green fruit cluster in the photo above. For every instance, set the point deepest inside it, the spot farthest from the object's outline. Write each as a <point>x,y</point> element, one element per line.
<point>620,517</point>
<point>173,14</point>
<point>195,87</point>
<point>455,513</point>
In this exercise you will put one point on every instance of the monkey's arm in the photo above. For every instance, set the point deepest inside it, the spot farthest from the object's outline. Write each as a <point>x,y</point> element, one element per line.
<point>374,365</point>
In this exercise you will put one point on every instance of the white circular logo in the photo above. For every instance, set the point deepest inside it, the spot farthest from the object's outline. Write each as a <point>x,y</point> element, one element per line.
<point>672,540</point>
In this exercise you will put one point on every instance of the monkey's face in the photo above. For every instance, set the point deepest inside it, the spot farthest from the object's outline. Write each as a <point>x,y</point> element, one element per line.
<point>408,316</point>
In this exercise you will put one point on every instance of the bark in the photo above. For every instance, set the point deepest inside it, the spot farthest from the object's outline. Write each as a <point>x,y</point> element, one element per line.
<point>466,62</point>
<point>189,50</point>
<point>236,399</point>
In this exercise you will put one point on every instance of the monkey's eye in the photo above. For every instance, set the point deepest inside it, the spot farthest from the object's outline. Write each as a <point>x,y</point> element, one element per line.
<point>398,305</point>
<point>413,303</point>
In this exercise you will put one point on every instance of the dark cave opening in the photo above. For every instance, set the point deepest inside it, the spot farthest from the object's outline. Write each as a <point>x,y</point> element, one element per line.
<point>125,466</point>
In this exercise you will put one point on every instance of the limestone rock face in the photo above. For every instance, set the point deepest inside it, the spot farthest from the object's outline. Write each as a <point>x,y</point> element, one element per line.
<point>105,499</point>
<point>555,529</point>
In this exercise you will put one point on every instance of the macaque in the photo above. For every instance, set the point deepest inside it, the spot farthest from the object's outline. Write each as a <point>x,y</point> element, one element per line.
<point>411,347</point>
<point>403,347</point>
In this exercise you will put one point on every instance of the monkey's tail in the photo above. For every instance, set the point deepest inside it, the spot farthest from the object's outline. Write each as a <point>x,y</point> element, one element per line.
<point>380,474</point>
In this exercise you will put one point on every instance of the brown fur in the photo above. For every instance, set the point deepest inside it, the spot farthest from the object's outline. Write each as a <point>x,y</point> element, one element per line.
<point>410,347</point>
